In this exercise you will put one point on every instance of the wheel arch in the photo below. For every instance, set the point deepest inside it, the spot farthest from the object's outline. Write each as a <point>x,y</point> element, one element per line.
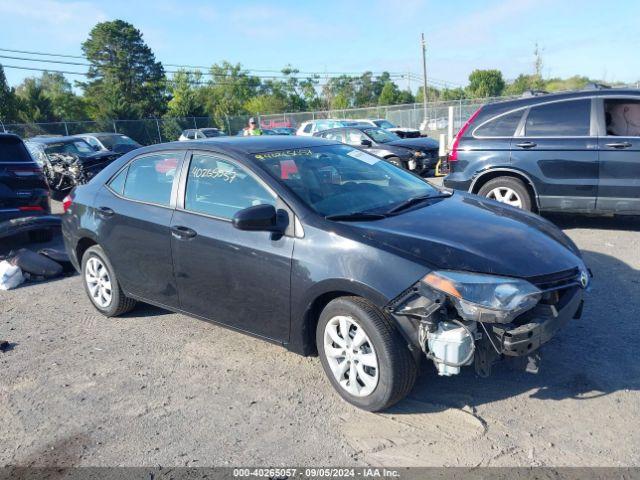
<point>484,177</point>
<point>305,318</point>
<point>85,241</point>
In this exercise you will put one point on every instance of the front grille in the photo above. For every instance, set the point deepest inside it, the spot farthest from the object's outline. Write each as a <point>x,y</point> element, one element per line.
<point>558,280</point>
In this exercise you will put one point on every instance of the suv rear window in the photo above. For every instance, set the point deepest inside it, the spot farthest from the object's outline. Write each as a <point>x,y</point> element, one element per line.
<point>502,126</point>
<point>560,119</point>
<point>13,150</point>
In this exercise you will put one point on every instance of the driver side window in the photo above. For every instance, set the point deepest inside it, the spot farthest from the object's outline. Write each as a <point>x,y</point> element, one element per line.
<point>220,188</point>
<point>355,137</point>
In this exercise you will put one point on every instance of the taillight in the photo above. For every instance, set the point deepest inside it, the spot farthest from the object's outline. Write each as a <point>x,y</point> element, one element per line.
<point>453,155</point>
<point>31,208</point>
<point>66,202</point>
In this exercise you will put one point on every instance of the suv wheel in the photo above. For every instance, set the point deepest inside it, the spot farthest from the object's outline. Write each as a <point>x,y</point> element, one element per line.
<point>363,355</point>
<point>507,190</point>
<point>101,284</point>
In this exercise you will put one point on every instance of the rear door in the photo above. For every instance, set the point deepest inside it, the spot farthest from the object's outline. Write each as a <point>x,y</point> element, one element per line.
<point>134,212</point>
<point>557,147</point>
<point>22,185</point>
<point>619,148</point>
<point>238,278</point>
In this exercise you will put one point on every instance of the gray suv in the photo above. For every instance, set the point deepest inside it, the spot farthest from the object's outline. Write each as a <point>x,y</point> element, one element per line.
<point>569,152</point>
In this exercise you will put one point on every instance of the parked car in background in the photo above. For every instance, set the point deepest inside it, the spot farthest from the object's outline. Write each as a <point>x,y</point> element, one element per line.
<point>567,152</point>
<point>419,155</point>
<point>68,161</point>
<point>200,133</point>
<point>310,127</point>
<point>324,248</point>
<point>284,130</point>
<point>24,194</point>
<point>109,142</point>
<point>402,132</point>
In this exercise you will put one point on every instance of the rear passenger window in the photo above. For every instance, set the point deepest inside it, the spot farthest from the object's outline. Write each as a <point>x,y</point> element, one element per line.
<point>502,126</point>
<point>559,119</point>
<point>308,127</point>
<point>220,188</point>
<point>150,179</point>
<point>622,117</point>
<point>117,183</point>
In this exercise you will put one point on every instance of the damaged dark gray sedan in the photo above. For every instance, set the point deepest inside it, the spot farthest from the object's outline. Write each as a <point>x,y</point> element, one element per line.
<point>324,249</point>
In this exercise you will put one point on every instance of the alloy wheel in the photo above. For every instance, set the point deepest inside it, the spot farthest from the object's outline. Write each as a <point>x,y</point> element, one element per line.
<point>351,356</point>
<point>98,281</point>
<point>505,195</point>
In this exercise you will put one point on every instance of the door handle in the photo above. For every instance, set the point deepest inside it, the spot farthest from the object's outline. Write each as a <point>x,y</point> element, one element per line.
<point>526,145</point>
<point>619,145</point>
<point>105,212</point>
<point>182,233</point>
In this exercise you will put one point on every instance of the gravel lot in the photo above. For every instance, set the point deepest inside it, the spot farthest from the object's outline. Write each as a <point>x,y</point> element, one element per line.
<point>157,388</point>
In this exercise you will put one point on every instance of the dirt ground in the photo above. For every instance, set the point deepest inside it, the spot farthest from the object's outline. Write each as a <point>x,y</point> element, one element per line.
<point>157,388</point>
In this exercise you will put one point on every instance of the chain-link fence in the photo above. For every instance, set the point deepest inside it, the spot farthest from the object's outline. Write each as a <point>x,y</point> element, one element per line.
<point>158,130</point>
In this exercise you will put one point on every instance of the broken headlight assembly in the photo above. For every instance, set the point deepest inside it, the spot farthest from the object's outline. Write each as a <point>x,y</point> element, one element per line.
<point>484,298</point>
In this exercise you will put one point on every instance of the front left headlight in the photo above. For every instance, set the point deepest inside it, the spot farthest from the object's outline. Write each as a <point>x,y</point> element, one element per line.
<point>418,154</point>
<point>485,298</point>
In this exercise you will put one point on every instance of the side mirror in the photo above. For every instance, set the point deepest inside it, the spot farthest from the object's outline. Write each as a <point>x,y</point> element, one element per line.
<point>365,142</point>
<point>259,218</point>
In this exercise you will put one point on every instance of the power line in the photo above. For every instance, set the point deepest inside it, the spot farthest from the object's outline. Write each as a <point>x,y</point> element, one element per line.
<point>204,67</point>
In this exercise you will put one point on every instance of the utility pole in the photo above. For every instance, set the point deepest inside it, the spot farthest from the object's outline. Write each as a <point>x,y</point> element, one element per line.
<point>424,85</point>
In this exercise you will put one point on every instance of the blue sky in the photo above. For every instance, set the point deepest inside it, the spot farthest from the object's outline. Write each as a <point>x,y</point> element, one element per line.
<point>594,38</point>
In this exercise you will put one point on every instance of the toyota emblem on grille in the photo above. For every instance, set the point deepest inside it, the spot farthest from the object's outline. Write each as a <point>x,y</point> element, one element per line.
<point>584,279</point>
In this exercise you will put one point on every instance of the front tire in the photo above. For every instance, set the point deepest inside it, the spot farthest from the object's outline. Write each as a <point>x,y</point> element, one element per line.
<point>507,190</point>
<point>363,354</point>
<point>101,284</point>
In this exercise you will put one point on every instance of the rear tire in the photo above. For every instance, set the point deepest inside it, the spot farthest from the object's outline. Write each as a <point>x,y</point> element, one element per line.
<point>40,236</point>
<point>509,190</point>
<point>101,284</point>
<point>373,340</point>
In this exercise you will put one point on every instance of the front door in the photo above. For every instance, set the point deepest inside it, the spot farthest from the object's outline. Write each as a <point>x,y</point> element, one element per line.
<point>558,148</point>
<point>134,212</point>
<point>238,278</point>
<point>619,146</point>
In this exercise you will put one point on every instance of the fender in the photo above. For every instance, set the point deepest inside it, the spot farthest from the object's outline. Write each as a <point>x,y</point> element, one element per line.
<point>302,327</point>
<point>482,173</point>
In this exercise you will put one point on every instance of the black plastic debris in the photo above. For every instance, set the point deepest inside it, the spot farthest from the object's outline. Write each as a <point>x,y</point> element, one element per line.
<point>58,256</point>
<point>5,346</point>
<point>15,226</point>
<point>35,264</point>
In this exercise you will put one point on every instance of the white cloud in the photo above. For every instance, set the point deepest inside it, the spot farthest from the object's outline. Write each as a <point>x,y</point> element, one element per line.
<point>53,20</point>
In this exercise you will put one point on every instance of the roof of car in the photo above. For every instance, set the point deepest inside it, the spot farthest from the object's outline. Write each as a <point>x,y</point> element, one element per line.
<point>246,145</point>
<point>549,97</point>
<point>93,134</point>
<point>48,140</point>
<point>359,126</point>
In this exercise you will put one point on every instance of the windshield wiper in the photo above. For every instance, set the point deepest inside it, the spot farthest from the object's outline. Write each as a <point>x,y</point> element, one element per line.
<point>355,216</point>
<point>410,202</point>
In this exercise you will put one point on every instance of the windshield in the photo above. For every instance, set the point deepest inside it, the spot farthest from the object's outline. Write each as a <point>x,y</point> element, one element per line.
<point>384,124</point>
<point>341,180</point>
<point>77,147</point>
<point>381,136</point>
<point>110,141</point>
<point>211,132</point>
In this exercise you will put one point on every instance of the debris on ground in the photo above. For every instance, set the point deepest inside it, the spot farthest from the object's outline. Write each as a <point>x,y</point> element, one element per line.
<point>35,264</point>
<point>10,275</point>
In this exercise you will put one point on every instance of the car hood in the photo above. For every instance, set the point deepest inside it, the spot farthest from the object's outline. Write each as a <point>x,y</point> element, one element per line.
<point>421,143</point>
<point>466,232</point>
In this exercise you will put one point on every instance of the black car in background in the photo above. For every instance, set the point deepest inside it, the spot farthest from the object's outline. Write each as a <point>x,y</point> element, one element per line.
<point>567,152</point>
<point>24,194</point>
<point>322,247</point>
<point>109,142</point>
<point>419,155</point>
<point>68,161</point>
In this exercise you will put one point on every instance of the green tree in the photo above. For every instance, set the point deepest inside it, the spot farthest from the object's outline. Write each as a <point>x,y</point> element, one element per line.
<point>228,91</point>
<point>125,80</point>
<point>485,83</point>
<point>8,101</point>
<point>33,104</point>
<point>390,94</point>
<point>266,104</point>
<point>187,97</point>
<point>66,105</point>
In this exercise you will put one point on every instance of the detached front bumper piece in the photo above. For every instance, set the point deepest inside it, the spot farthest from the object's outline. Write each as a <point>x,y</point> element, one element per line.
<point>26,224</point>
<point>540,325</point>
